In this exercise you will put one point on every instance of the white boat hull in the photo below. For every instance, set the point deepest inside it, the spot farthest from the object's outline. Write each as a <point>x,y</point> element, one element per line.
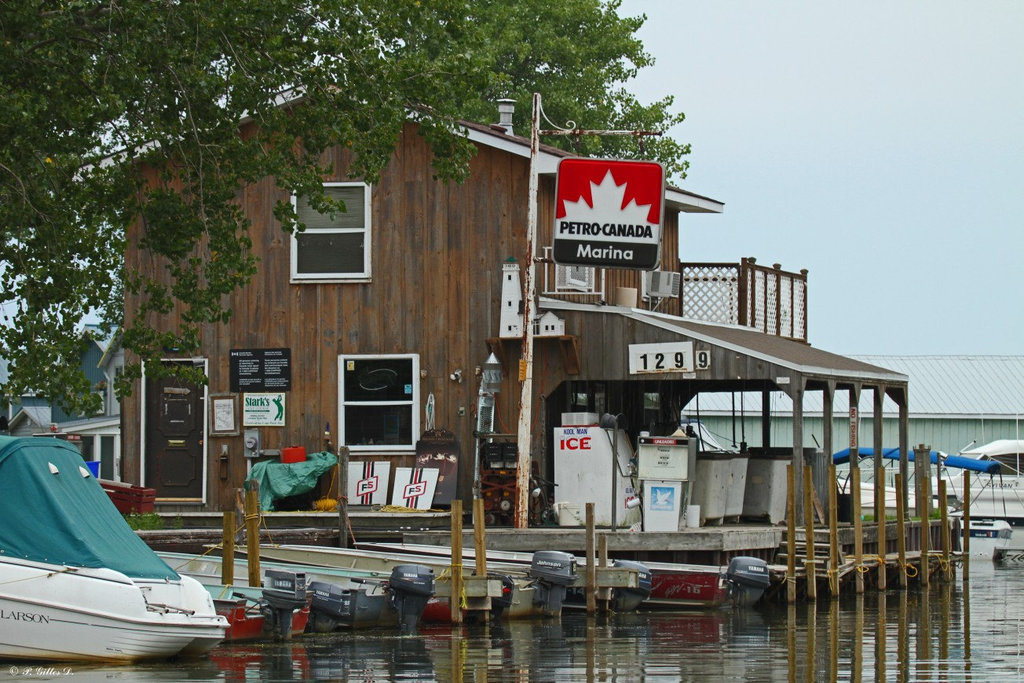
<point>52,612</point>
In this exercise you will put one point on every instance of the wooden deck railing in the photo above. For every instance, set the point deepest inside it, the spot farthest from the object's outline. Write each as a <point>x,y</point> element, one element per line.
<point>768,300</point>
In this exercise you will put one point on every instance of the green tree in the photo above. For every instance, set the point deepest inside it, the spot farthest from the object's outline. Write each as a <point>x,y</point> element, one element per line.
<point>118,111</point>
<point>580,55</point>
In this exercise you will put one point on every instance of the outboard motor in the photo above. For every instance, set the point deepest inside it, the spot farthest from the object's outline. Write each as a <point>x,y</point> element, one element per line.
<point>554,571</point>
<point>499,605</point>
<point>410,587</point>
<point>283,593</point>
<point>333,607</point>
<point>747,579</point>
<point>629,599</point>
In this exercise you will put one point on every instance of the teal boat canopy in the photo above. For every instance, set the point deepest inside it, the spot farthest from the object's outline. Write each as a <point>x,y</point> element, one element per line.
<point>53,510</point>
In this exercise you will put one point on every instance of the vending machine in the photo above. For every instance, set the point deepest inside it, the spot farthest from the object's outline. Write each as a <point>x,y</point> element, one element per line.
<point>664,467</point>
<point>592,466</point>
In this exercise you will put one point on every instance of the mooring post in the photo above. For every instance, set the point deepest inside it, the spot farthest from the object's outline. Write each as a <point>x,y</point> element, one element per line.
<point>344,526</point>
<point>833,532</point>
<point>252,530</point>
<point>922,460</point>
<point>947,565</point>
<point>790,533</point>
<point>812,578</point>
<point>227,553</point>
<point>901,531</point>
<point>858,530</point>
<point>967,525</point>
<point>591,562</point>
<point>880,523</point>
<point>455,599</point>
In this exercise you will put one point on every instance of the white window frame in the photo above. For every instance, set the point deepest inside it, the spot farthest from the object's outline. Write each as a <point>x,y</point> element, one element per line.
<point>367,231</point>
<point>413,403</point>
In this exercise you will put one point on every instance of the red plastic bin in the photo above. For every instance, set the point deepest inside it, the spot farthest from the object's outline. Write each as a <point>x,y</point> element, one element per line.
<point>293,454</point>
<point>130,499</point>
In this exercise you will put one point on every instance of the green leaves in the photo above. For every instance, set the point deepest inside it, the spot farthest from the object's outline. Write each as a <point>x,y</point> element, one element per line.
<point>120,134</point>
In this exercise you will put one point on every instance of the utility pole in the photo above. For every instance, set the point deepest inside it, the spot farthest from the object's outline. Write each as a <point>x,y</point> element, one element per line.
<point>524,432</point>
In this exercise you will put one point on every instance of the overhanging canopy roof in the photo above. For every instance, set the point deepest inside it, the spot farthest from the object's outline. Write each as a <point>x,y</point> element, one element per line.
<point>786,356</point>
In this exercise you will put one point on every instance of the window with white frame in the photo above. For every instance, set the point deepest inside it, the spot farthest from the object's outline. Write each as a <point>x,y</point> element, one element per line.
<point>333,247</point>
<point>378,397</point>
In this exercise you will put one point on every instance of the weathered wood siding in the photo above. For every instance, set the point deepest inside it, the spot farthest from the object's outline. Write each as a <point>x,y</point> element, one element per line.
<point>435,290</point>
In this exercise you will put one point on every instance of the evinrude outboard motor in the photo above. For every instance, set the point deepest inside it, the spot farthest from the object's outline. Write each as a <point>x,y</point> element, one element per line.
<point>499,605</point>
<point>554,571</point>
<point>629,599</point>
<point>747,579</point>
<point>333,607</point>
<point>283,593</point>
<point>410,587</point>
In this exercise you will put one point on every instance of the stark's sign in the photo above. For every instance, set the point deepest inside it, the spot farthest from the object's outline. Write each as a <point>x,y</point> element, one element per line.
<point>609,213</point>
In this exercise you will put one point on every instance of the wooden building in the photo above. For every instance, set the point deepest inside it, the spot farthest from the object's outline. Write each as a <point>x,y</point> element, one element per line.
<point>348,328</point>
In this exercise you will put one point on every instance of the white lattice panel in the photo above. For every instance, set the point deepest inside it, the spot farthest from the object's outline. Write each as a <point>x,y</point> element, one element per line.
<point>710,294</point>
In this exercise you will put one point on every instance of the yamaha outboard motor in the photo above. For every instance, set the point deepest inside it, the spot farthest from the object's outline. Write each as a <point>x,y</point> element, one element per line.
<point>747,579</point>
<point>333,607</point>
<point>554,571</point>
<point>629,599</point>
<point>283,593</point>
<point>410,587</point>
<point>499,605</point>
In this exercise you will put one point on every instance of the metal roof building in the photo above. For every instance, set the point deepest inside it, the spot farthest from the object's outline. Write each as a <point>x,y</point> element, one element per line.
<point>954,401</point>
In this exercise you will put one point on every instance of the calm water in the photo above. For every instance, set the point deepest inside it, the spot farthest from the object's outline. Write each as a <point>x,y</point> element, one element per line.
<point>943,634</point>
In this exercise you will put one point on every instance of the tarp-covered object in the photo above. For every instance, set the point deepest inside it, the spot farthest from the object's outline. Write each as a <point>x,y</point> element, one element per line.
<point>986,466</point>
<point>53,510</point>
<point>280,480</point>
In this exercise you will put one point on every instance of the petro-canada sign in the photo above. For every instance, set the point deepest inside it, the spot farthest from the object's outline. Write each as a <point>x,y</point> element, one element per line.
<point>608,213</point>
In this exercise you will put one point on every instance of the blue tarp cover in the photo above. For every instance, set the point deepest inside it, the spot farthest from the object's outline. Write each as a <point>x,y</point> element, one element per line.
<point>959,461</point>
<point>280,480</point>
<point>65,517</point>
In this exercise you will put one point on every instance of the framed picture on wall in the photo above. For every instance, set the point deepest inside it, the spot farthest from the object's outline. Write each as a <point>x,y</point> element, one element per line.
<point>224,415</point>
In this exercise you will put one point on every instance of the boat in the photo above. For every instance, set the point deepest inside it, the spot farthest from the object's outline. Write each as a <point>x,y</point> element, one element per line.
<point>531,591</point>
<point>1008,556</point>
<point>999,493</point>
<point>251,615</point>
<point>339,597</point>
<point>948,468</point>
<point>987,535</point>
<point>671,585</point>
<point>76,583</point>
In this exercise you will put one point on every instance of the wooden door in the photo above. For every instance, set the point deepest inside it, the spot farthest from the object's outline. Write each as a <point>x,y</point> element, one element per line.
<point>174,439</point>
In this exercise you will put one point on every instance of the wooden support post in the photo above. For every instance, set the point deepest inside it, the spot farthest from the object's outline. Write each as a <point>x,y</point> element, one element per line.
<point>480,546</point>
<point>833,532</point>
<point>344,527</point>
<point>790,534</point>
<point>455,598</point>
<point>227,555</point>
<point>605,594</point>
<point>252,530</point>
<point>922,455</point>
<point>901,531</point>
<point>591,563</point>
<point>812,578</point>
<point>967,525</point>
<point>947,565</point>
<point>880,523</point>
<point>858,530</point>
<point>480,536</point>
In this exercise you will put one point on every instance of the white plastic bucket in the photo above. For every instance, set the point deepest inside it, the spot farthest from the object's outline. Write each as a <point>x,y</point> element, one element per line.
<point>569,514</point>
<point>692,516</point>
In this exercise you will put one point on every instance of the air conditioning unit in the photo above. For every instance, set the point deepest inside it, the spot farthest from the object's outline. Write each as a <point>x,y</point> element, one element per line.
<point>662,284</point>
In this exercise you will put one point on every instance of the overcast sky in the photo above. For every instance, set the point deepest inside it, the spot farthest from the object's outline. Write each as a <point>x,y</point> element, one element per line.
<point>879,145</point>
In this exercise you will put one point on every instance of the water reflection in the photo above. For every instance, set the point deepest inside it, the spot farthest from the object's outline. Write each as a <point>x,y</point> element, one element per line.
<point>911,635</point>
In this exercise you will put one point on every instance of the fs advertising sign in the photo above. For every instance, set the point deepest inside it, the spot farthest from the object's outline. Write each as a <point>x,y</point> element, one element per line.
<point>609,213</point>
